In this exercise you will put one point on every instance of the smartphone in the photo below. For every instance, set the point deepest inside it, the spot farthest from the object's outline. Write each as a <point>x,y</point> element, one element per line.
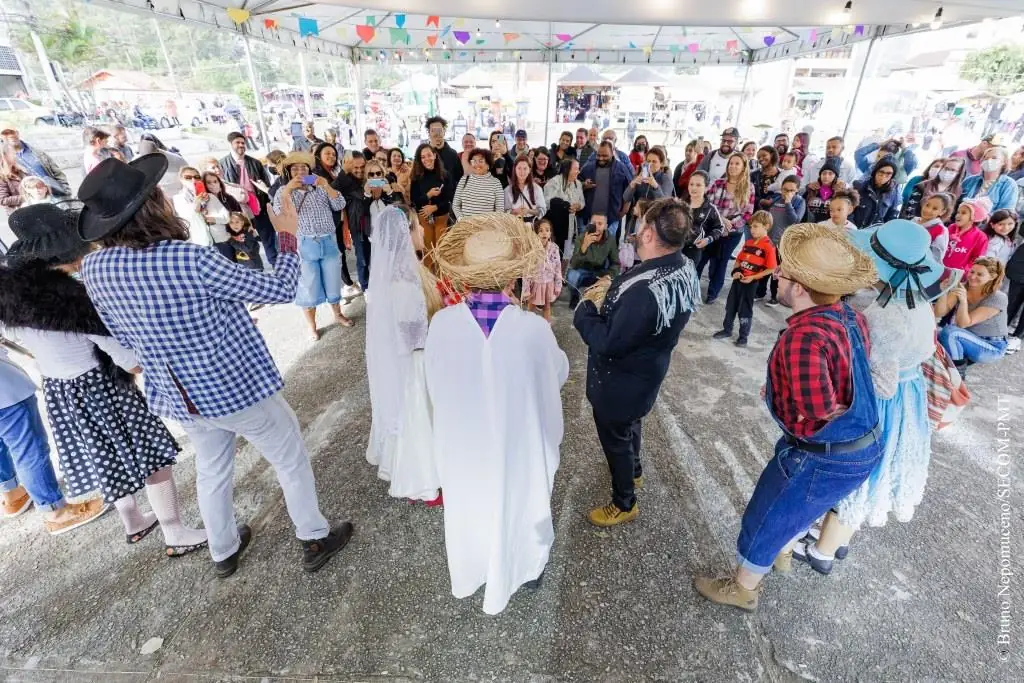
<point>377,183</point>
<point>309,180</point>
<point>645,171</point>
<point>591,228</point>
<point>200,187</point>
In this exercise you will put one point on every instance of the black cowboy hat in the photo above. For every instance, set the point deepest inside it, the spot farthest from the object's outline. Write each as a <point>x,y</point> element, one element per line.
<point>114,191</point>
<point>46,232</point>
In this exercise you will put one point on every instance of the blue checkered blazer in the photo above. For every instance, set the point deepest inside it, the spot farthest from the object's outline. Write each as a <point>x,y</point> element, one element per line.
<point>181,308</point>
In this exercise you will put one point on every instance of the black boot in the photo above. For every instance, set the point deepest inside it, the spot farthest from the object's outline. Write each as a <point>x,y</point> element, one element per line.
<point>744,331</point>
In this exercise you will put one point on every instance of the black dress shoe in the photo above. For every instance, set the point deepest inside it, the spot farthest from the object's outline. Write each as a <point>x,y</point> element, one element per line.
<point>229,566</point>
<point>316,553</point>
<point>536,583</point>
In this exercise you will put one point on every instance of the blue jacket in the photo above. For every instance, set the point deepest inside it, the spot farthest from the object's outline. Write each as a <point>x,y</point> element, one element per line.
<point>875,207</point>
<point>1003,192</point>
<point>621,174</point>
<point>905,161</point>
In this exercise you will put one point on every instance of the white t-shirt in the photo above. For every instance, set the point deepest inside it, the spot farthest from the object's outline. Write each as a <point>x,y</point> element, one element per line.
<point>64,355</point>
<point>717,166</point>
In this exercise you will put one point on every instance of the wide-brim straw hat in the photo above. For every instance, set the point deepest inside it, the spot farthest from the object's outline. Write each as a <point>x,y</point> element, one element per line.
<point>296,158</point>
<point>487,252</point>
<point>823,259</point>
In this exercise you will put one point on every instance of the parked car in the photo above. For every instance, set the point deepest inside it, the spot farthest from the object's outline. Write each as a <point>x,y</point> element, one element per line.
<point>25,113</point>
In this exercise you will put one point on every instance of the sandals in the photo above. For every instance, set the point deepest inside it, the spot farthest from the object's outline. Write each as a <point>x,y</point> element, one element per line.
<point>139,535</point>
<point>345,322</point>
<point>182,550</point>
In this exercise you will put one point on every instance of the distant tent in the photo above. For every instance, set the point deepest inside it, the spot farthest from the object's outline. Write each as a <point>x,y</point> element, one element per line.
<point>583,76</point>
<point>641,75</point>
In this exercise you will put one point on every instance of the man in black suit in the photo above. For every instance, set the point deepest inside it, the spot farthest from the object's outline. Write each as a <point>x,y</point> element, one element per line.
<point>241,169</point>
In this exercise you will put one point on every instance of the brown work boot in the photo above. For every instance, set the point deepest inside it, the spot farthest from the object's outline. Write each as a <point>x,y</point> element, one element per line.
<point>783,562</point>
<point>15,502</point>
<point>611,515</point>
<point>74,515</point>
<point>638,482</point>
<point>727,592</point>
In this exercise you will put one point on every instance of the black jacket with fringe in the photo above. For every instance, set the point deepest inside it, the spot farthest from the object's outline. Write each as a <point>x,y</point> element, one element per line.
<point>42,298</point>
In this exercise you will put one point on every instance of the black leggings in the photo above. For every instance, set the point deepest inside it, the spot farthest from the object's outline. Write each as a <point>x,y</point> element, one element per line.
<point>1016,305</point>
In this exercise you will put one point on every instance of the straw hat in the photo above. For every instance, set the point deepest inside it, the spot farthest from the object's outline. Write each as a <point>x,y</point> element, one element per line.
<point>296,158</point>
<point>824,260</point>
<point>487,251</point>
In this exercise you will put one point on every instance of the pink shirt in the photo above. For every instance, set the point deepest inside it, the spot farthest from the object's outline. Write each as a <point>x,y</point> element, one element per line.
<point>550,270</point>
<point>964,247</point>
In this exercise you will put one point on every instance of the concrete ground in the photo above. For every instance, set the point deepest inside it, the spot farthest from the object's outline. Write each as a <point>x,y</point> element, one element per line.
<point>913,602</point>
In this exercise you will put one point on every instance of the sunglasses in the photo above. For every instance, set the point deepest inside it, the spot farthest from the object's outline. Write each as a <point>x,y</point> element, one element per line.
<point>375,174</point>
<point>190,177</point>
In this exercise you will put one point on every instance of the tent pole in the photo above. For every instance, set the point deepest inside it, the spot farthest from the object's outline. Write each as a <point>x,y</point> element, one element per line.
<point>305,86</point>
<point>856,90</point>
<point>360,106</point>
<point>547,107</point>
<point>743,93</point>
<point>167,59</point>
<point>257,95</point>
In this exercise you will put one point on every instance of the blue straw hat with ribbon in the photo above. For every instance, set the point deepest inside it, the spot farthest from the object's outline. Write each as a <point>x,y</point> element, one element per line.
<point>903,258</point>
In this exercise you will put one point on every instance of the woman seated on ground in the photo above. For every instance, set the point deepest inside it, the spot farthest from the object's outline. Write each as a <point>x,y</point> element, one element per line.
<point>405,297</point>
<point>976,330</point>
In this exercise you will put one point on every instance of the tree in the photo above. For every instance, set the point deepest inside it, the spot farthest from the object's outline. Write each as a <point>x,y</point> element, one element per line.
<point>1000,69</point>
<point>246,96</point>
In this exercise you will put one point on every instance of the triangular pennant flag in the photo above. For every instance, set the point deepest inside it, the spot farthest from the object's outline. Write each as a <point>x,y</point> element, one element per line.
<point>371,21</point>
<point>849,29</point>
<point>812,35</point>
<point>400,20</point>
<point>365,33</point>
<point>632,44</point>
<point>837,33</point>
<point>858,30</point>
<point>509,37</point>
<point>648,50</point>
<point>342,32</point>
<point>733,46</point>
<point>238,15</point>
<point>308,27</point>
<point>431,41</point>
<point>463,54</point>
<point>461,36</point>
<point>671,48</point>
<point>769,40</point>
<point>481,41</point>
<point>399,35</point>
<point>693,47</point>
<point>270,24</point>
<point>517,54</point>
<point>564,37</point>
<point>446,31</point>
<point>459,23</point>
<point>435,20</point>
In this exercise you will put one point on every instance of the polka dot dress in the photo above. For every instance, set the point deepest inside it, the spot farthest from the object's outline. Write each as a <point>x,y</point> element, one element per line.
<point>107,440</point>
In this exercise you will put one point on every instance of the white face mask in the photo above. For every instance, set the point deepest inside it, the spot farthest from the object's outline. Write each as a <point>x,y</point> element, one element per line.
<point>932,172</point>
<point>991,165</point>
<point>947,176</point>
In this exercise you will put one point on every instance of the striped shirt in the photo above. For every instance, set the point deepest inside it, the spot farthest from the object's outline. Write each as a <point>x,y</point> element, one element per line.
<point>475,194</point>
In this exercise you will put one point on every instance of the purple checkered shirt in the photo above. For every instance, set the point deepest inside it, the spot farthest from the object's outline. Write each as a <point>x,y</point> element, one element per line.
<point>486,307</point>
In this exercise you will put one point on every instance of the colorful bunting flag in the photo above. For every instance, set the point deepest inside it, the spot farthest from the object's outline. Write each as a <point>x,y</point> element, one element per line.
<point>461,36</point>
<point>837,33</point>
<point>365,32</point>
<point>400,20</point>
<point>446,31</point>
<point>509,37</point>
<point>459,23</point>
<point>769,40</point>
<point>671,48</point>
<point>431,41</point>
<point>400,35</point>
<point>435,20</point>
<point>694,47</point>
<point>858,30</point>
<point>342,32</point>
<point>648,50</point>
<point>308,27</point>
<point>238,15</point>
<point>481,41</point>
<point>812,35</point>
<point>564,37</point>
<point>632,44</point>
<point>733,46</point>
<point>371,21</point>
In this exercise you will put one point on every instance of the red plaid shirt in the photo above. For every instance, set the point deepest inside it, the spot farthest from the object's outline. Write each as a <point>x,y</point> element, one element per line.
<point>810,370</point>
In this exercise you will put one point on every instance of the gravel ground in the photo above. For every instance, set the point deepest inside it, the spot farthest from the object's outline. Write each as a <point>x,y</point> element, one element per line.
<point>916,601</point>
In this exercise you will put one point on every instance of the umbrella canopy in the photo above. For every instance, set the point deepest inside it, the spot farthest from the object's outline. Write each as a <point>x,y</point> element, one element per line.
<point>583,75</point>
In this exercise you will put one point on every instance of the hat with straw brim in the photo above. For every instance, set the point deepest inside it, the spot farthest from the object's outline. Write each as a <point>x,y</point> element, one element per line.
<point>487,252</point>
<point>296,158</point>
<point>824,260</point>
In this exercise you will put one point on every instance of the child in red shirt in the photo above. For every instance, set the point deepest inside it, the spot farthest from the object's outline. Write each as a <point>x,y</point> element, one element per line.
<point>757,260</point>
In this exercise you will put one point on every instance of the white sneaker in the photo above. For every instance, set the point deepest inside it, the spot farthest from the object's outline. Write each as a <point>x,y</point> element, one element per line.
<point>1013,345</point>
<point>351,291</point>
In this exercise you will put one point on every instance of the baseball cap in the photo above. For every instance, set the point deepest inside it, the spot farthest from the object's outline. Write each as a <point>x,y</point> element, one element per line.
<point>521,134</point>
<point>993,139</point>
<point>731,132</point>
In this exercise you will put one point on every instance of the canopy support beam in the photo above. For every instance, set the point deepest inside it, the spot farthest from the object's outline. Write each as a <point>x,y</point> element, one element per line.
<point>257,95</point>
<point>547,106</point>
<point>743,92</point>
<point>167,59</point>
<point>305,86</point>
<point>856,90</point>
<point>360,106</point>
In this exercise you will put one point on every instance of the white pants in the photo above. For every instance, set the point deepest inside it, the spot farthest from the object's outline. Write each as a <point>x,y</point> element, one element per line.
<point>270,426</point>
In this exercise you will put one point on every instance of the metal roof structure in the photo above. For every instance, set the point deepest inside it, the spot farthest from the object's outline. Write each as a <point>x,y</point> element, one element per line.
<point>653,32</point>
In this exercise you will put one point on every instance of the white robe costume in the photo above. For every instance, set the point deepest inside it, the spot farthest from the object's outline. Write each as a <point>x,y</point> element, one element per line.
<point>497,430</point>
<point>396,331</point>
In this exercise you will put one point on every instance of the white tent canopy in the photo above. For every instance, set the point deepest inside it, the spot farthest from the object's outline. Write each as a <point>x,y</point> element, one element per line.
<point>654,32</point>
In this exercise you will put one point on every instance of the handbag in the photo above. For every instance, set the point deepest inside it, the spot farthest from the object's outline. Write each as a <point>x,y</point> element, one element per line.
<point>946,391</point>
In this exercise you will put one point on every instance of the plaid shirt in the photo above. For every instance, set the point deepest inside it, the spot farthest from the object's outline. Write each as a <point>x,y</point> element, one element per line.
<point>810,370</point>
<point>181,308</point>
<point>728,206</point>
<point>317,217</point>
<point>486,307</point>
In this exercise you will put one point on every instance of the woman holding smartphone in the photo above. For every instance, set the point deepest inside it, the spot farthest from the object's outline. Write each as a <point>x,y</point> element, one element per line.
<point>431,196</point>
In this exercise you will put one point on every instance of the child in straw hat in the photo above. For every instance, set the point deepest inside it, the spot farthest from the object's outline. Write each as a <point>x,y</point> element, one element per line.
<point>820,392</point>
<point>494,373</point>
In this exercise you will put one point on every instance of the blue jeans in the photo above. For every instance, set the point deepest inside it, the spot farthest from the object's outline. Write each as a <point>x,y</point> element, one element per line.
<point>361,245</point>
<point>719,256</point>
<point>613,228</point>
<point>320,271</point>
<point>963,344</point>
<point>796,488</point>
<point>25,455</point>
<point>580,279</point>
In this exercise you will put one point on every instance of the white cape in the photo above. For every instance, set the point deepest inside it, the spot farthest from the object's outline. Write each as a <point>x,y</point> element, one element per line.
<point>497,430</point>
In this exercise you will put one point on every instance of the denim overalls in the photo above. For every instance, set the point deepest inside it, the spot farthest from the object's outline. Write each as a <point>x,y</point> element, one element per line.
<point>798,486</point>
